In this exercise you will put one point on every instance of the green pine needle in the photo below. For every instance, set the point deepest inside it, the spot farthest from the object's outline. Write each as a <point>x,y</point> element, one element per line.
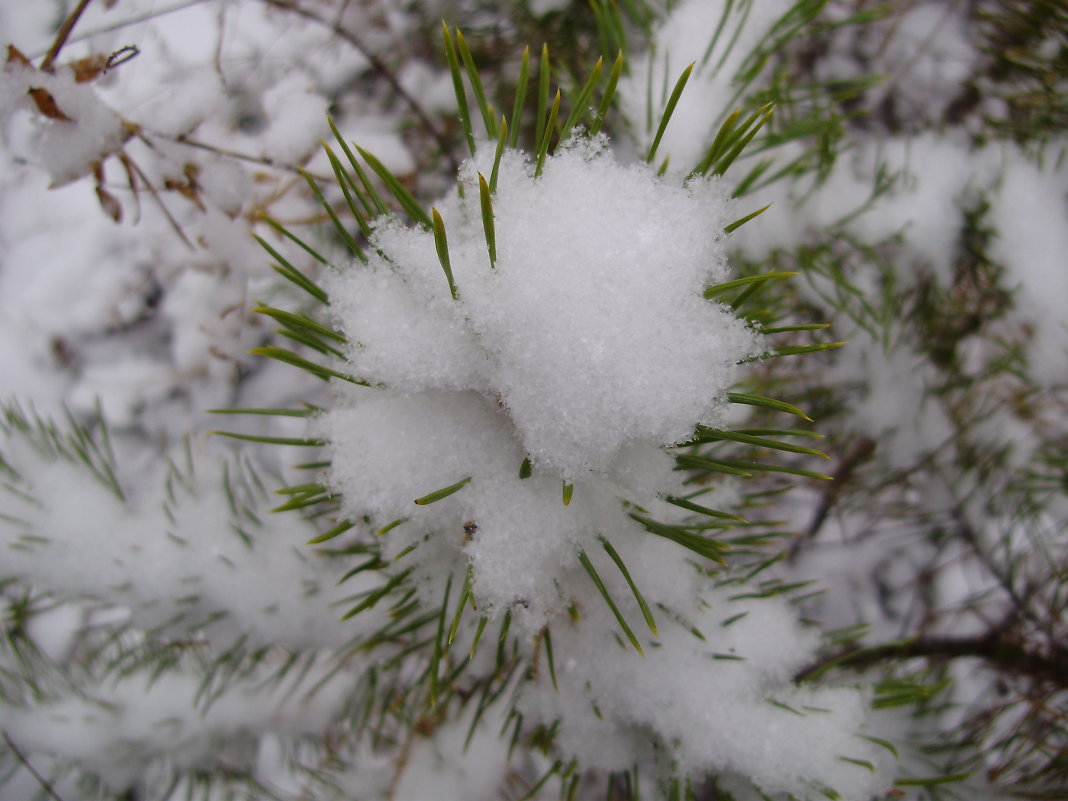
<point>441,243</point>
<point>705,434</point>
<point>543,91</point>
<point>520,99</point>
<point>292,274</point>
<point>689,505</point>
<point>405,198</point>
<point>277,226</point>
<point>579,105</point>
<point>708,548</point>
<point>317,370</point>
<point>646,611</point>
<point>300,322</point>
<point>609,95</point>
<point>584,560</point>
<point>497,154</point>
<point>458,86</point>
<point>669,109</point>
<point>488,117</point>
<point>336,531</point>
<point>304,442</point>
<point>487,219</point>
<point>734,226</point>
<point>444,492</point>
<point>719,289</point>
<point>767,403</point>
<point>546,135</point>
<point>465,595</point>
<point>350,243</point>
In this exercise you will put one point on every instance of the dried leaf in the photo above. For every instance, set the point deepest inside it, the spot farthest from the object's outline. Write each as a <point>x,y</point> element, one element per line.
<point>15,56</point>
<point>46,104</point>
<point>109,204</point>
<point>187,189</point>
<point>89,68</point>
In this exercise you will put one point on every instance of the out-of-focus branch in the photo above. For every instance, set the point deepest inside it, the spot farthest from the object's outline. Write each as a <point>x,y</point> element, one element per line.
<point>61,37</point>
<point>41,780</point>
<point>858,453</point>
<point>994,649</point>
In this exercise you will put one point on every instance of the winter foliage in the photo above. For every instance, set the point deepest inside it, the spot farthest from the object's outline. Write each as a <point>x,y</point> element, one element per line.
<point>394,412</point>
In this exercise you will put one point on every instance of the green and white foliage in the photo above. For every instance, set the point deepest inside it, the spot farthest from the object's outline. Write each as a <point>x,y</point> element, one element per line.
<point>519,493</point>
<point>530,429</point>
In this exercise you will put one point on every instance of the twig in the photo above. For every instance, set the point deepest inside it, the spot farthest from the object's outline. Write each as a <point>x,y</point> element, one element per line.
<point>159,201</point>
<point>994,649</point>
<point>137,20</point>
<point>263,160</point>
<point>61,37</point>
<point>381,68</point>
<point>859,453</point>
<point>41,780</point>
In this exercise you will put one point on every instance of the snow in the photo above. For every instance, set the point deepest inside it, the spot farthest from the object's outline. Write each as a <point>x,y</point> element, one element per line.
<point>161,553</point>
<point>72,133</point>
<point>1033,252</point>
<point>590,329</point>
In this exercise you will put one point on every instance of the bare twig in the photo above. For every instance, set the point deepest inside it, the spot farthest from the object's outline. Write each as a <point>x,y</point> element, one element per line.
<point>126,23</point>
<point>41,780</point>
<point>859,453</point>
<point>155,196</point>
<point>233,154</point>
<point>379,67</point>
<point>61,37</point>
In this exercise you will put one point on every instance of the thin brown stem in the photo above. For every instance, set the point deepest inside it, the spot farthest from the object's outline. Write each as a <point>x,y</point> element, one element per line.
<point>64,33</point>
<point>41,780</point>
<point>234,154</point>
<point>155,196</point>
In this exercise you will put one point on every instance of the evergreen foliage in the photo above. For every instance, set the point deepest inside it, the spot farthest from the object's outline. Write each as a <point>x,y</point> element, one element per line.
<point>463,527</point>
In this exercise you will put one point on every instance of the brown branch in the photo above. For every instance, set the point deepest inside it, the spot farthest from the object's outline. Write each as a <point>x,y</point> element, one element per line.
<point>858,453</point>
<point>41,780</point>
<point>61,37</point>
<point>137,20</point>
<point>995,650</point>
<point>379,67</point>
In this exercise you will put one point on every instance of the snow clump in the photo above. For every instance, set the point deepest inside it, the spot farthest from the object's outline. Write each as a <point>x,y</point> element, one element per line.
<point>590,329</point>
<point>586,347</point>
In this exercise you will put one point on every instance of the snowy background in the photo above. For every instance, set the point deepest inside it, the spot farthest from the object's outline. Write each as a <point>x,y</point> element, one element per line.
<point>167,636</point>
